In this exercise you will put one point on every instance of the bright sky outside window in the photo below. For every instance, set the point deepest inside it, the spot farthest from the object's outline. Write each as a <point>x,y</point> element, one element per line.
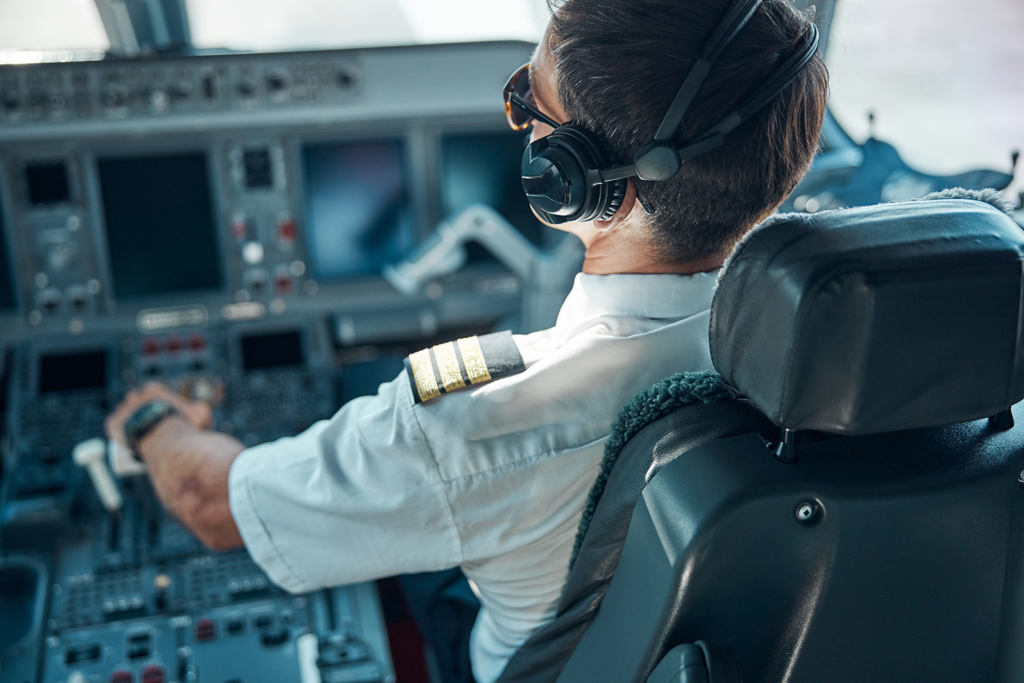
<point>51,25</point>
<point>942,76</point>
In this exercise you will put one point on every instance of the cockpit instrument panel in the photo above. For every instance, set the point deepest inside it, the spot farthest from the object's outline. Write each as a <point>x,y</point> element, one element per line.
<point>220,223</point>
<point>172,192</point>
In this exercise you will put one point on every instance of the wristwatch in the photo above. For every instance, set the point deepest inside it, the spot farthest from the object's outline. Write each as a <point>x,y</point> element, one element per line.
<point>143,421</point>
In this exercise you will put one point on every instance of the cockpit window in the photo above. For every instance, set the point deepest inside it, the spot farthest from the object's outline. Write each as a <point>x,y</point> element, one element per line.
<point>264,25</point>
<point>74,26</point>
<point>50,25</point>
<point>942,78</point>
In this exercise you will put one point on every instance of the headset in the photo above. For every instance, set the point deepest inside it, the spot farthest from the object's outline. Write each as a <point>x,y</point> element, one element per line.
<point>569,175</point>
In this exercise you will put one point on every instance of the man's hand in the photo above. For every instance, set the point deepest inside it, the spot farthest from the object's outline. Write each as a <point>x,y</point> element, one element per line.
<point>188,465</point>
<point>197,413</point>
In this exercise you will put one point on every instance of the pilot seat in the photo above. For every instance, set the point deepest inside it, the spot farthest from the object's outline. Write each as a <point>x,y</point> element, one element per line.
<point>843,501</point>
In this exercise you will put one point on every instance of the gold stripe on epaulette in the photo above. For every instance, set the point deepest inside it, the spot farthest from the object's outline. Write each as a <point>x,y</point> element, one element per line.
<point>473,358</point>
<point>448,367</point>
<point>423,374</point>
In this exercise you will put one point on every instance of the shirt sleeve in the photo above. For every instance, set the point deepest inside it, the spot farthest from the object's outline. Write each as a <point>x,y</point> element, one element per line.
<point>353,498</point>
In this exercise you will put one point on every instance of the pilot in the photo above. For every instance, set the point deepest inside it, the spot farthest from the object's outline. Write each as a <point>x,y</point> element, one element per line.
<point>482,453</point>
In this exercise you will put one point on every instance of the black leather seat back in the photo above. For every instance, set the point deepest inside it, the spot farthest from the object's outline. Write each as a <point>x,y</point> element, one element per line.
<point>875,319</point>
<point>908,570</point>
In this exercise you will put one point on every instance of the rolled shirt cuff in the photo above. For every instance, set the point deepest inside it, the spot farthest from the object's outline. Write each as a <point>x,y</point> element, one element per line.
<point>251,526</point>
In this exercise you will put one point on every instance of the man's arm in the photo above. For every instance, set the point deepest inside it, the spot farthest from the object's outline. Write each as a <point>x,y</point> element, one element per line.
<point>188,464</point>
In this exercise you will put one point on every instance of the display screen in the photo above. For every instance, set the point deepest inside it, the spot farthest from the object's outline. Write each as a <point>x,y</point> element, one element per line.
<point>357,207</point>
<point>258,171</point>
<point>6,279</point>
<point>47,183</point>
<point>160,224</point>
<point>68,372</point>
<point>280,349</point>
<point>484,169</point>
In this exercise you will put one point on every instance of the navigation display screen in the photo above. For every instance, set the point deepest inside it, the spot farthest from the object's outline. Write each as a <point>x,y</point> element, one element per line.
<point>275,350</point>
<point>6,273</point>
<point>68,372</point>
<point>358,208</point>
<point>160,225</point>
<point>484,169</point>
<point>47,183</point>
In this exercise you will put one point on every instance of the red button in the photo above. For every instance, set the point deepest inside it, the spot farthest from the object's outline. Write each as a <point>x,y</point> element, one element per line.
<point>197,342</point>
<point>121,677</point>
<point>150,346</point>
<point>205,629</point>
<point>239,229</point>
<point>173,344</point>
<point>286,230</point>
<point>153,674</point>
<point>283,284</point>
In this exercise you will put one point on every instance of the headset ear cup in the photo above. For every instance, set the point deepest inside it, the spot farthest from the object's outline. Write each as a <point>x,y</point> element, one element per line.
<point>616,194</point>
<point>615,191</point>
<point>557,173</point>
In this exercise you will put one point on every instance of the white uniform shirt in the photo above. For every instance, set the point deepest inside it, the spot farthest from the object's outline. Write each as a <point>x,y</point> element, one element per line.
<point>492,477</point>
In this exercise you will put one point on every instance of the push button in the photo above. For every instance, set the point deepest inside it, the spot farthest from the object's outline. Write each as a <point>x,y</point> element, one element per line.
<point>150,346</point>
<point>286,230</point>
<point>205,630</point>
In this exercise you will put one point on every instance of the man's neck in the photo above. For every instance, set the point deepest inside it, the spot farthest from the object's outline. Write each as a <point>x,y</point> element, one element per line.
<point>615,252</point>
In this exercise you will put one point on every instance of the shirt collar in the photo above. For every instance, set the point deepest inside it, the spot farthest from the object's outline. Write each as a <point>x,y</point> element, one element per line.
<point>638,296</point>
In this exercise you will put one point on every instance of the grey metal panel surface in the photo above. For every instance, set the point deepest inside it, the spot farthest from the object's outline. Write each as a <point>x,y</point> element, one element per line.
<point>388,83</point>
<point>413,94</point>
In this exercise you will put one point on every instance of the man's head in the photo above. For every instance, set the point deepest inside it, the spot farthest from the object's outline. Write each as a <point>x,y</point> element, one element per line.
<point>614,67</point>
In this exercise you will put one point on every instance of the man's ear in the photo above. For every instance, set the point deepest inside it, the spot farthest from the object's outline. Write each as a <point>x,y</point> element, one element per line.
<point>629,203</point>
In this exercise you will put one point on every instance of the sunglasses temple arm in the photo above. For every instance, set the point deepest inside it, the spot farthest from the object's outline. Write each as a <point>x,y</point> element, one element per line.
<point>532,111</point>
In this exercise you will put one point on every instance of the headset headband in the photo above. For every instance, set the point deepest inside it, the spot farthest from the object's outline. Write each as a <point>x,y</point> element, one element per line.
<point>662,159</point>
<point>570,175</point>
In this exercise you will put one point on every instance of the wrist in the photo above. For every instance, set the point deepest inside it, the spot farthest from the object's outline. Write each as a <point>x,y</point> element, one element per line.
<point>144,420</point>
<point>167,431</point>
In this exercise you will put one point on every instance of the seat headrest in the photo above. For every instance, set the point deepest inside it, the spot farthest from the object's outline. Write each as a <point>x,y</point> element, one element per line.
<point>875,319</point>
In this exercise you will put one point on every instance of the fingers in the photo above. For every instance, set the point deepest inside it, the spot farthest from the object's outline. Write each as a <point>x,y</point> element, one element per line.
<point>200,414</point>
<point>114,429</point>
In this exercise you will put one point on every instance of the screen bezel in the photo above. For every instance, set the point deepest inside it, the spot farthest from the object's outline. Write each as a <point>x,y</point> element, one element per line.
<point>216,188</point>
<point>284,325</point>
<point>409,158</point>
<point>26,170</point>
<point>300,342</point>
<point>45,350</point>
<point>8,260</point>
<point>548,236</point>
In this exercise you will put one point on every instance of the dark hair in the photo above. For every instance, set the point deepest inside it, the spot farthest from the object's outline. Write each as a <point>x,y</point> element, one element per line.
<point>620,64</point>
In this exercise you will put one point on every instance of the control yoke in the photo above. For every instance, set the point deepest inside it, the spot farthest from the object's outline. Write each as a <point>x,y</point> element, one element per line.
<point>546,275</point>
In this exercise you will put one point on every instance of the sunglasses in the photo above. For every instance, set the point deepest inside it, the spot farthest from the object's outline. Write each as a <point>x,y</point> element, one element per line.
<point>520,105</point>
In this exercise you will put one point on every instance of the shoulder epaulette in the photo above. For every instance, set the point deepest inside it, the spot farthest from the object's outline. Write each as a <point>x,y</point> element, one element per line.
<point>453,365</point>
